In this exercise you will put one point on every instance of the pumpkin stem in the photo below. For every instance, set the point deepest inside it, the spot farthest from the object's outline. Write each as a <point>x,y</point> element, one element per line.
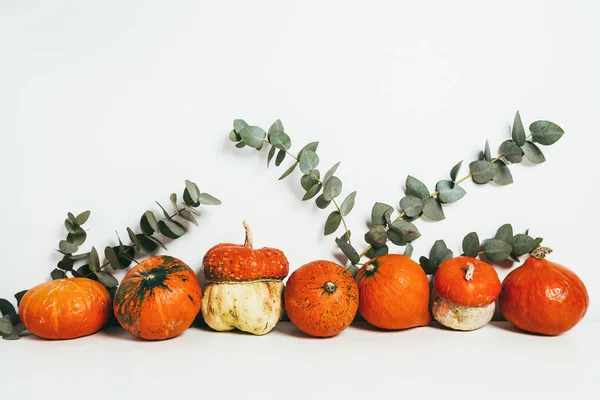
<point>329,287</point>
<point>469,271</point>
<point>541,252</point>
<point>248,241</point>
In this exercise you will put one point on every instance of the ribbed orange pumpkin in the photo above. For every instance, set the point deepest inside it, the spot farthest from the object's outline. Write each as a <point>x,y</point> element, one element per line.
<point>158,299</point>
<point>65,308</point>
<point>393,292</point>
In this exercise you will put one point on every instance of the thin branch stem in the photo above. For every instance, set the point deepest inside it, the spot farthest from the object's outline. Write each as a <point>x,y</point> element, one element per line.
<point>335,203</point>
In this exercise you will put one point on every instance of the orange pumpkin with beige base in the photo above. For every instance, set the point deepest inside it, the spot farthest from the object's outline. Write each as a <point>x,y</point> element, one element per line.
<point>65,308</point>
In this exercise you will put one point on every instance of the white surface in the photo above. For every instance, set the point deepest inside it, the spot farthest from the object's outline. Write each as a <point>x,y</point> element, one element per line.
<point>494,362</point>
<point>110,106</point>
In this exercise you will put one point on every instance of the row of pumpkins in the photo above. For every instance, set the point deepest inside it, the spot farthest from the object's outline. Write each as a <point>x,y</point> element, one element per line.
<point>161,296</point>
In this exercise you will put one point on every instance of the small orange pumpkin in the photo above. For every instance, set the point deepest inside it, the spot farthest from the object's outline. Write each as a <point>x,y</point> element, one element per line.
<point>158,299</point>
<point>321,298</point>
<point>543,297</point>
<point>65,308</point>
<point>464,293</point>
<point>393,292</point>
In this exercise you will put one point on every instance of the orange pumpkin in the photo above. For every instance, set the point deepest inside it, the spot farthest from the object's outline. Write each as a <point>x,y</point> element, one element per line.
<point>393,292</point>
<point>465,291</point>
<point>65,308</point>
<point>543,297</point>
<point>321,298</point>
<point>158,299</point>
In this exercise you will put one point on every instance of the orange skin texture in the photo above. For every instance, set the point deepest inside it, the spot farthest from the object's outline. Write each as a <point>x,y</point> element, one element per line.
<point>65,308</point>
<point>482,289</point>
<point>314,310</point>
<point>543,297</point>
<point>395,295</point>
<point>227,262</point>
<point>158,299</point>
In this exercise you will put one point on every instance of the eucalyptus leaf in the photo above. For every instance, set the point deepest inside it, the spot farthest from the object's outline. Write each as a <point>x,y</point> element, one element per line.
<point>147,244</point>
<point>533,153</point>
<point>157,241</point>
<point>518,131</point>
<point>348,251</point>
<point>240,145</point>
<point>433,209</point>
<point>523,244</point>
<point>348,204</point>
<point>471,245</point>
<point>84,270</point>
<point>309,180</point>
<point>312,146</point>
<point>416,188</point>
<point>19,296</point>
<point>402,232</point>
<point>408,250</point>
<point>545,132</point>
<point>271,154</point>
<point>188,216</point>
<point>377,251</point>
<point>505,233</point>
<point>94,260</point>
<point>449,192</point>
<point>308,161</point>
<point>239,124</point>
<point>112,258</point>
<point>83,217</point>
<point>376,236</point>
<point>173,199</point>
<point>455,170</point>
<point>322,203</point>
<point>66,247</point>
<point>66,264</point>
<point>496,250</point>
<point>171,229</point>
<point>70,226</point>
<point>439,253</point>
<point>503,175</point>
<point>77,257</point>
<point>280,140</point>
<point>107,279</point>
<point>378,213</point>
<point>133,237</point>
<point>312,192</point>
<point>333,188</point>
<point>57,274</point>
<point>72,218</point>
<point>276,126</point>
<point>234,137</point>
<point>77,238</point>
<point>6,308</point>
<point>487,154</point>
<point>511,151</point>
<point>330,173</point>
<point>253,136</point>
<point>280,157</point>
<point>412,206</point>
<point>16,333</point>
<point>289,170</point>
<point>428,266</point>
<point>208,200</point>
<point>333,223</point>
<point>6,327</point>
<point>187,199</point>
<point>483,171</point>
<point>148,223</point>
<point>192,189</point>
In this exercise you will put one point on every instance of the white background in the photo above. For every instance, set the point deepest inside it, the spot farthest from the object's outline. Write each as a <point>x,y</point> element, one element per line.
<point>110,106</point>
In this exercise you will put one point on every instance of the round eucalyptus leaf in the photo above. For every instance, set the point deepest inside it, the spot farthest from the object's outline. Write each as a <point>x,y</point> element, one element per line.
<point>511,151</point>
<point>379,212</point>
<point>188,216</point>
<point>376,236</point>
<point>322,203</point>
<point>111,257</point>
<point>94,260</point>
<point>483,171</point>
<point>276,126</point>
<point>309,160</point>
<point>253,136</point>
<point>57,274</point>
<point>408,250</point>
<point>312,191</point>
<point>70,226</point>
<point>496,250</point>
<point>433,209</point>
<point>239,124</point>
<point>518,131</point>
<point>187,199</point>
<point>449,192</point>
<point>6,327</point>
<point>66,264</point>
<point>208,200</point>
<point>155,240</point>
<point>77,238</point>
<point>377,251</point>
<point>272,151</point>
<point>470,245</point>
<point>412,206</point>
<point>83,217</point>
<point>505,233</point>
<point>234,137</point>
<point>312,146</point>
<point>523,244</point>
<point>416,188</point>
<point>333,188</point>
<point>19,296</point>
<point>349,251</point>
<point>6,308</point>
<point>533,153</point>
<point>308,180</point>
<point>333,223</point>
<point>428,266</point>
<point>545,132</point>
<point>348,203</point>
<point>193,191</point>
<point>280,140</point>
<point>148,223</point>
<point>171,229</point>
<point>66,247</point>
<point>503,175</point>
<point>280,157</point>
<point>240,145</point>
<point>402,232</point>
<point>106,279</point>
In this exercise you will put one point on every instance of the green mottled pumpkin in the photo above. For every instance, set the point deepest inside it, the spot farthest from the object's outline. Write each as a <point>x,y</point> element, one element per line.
<point>158,299</point>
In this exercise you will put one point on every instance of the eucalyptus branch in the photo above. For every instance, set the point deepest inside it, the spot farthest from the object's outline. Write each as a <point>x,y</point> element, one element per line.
<point>245,135</point>
<point>504,246</point>
<point>420,201</point>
